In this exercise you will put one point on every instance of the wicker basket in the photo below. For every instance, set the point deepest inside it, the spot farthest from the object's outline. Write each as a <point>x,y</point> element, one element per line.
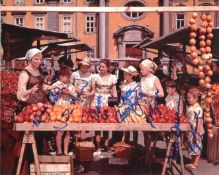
<point>84,150</point>
<point>123,150</point>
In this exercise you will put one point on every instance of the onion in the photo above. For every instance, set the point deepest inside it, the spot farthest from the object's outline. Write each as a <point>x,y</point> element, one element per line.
<point>209,18</point>
<point>194,15</point>
<point>210,135</point>
<point>192,41</point>
<point>202,43</point>
<point>208,85</point>
<point>202,37</point>
<point>192,35</point>
<point>210,55</point>
<point>201,75</point>
<point>205,57</point>
<point>209,30</point>
<point>210,35</point>
<point>195,61</point>
<point>208,119</point>
<point>204,24</point>
<point>207,68</point>
<point>194,55</point>
<point>200,68</point>
<point>210,73</point>
<point>202,50</point>
<point>210,131</point>
<point>202,31</point>
<point>209,62</point>
<point>207,114</point>
<point>207,79</point>
<point>207,109</point>
<point>192,21</point>
<point>201,82</point>
<point>209,94</point>
<point>208,100</point>
<point>193,27</point>
<point>210,24</point>
<point>204,17</point>
<point>201,62</point>
<point>209,125</point>
<point>208,42</point>
<point>208,49</point>
<point>192,48</point>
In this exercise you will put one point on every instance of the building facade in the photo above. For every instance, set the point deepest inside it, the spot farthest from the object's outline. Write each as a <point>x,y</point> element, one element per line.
<point>111,35</point>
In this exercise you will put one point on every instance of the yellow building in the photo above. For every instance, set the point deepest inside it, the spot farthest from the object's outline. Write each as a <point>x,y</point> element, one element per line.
<point>111,35</point>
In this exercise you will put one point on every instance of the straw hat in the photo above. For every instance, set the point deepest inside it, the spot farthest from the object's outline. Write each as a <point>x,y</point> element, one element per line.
<point>86,61</point>
<point>131,70</point>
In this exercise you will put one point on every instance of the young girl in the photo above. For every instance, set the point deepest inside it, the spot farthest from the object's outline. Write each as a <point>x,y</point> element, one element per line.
<point>150,84</point>
<point>194,114</point>
<point>173,100</point>
<point>129,86</point>
<point>63,84</point>
<point>151,88</point>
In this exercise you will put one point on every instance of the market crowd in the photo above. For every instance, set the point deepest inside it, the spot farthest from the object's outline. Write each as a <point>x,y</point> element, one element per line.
<point>146,83</point>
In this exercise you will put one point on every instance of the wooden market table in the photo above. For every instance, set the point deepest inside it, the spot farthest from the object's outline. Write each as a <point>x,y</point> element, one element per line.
<point>30,128</point>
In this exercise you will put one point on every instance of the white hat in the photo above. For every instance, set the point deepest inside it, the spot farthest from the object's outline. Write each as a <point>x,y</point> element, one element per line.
<point>31,52</point>
<point>131,70</point>
<point>86,61</point>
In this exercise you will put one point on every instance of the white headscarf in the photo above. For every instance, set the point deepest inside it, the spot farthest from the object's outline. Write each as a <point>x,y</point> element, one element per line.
<point>31,53</point>
<point>150,65</point>
<point>131,70</point>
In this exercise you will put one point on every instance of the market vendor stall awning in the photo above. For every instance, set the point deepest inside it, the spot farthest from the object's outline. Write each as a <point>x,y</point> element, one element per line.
<point>57,48</point>
<point>180,36</point>
<point>16,40</point>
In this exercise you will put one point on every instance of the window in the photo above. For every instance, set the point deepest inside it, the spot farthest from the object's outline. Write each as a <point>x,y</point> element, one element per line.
<point>90,23</point>
<point>19,21</point>
<point>90,53</point>
<point>19,2</point>
<point>67,1</point>
<point>67,24</point>
<point>134,15</point>
<point>39,22</point>
<point>39,1</point>
<point>180,20</point>
<point>89,1</point>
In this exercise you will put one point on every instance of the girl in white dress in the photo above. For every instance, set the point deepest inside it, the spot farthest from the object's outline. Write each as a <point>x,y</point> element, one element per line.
<point>105,87</point>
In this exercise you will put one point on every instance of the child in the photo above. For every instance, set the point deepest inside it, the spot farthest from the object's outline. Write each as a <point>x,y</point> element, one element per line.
<point>130,85</point>
<point>194,114</point>
<point>173,100</point>
<point>63,84</point>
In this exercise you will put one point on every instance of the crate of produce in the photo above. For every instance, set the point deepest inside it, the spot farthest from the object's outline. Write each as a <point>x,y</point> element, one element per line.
<point>85,150</point>
<point>123,150</point>
<point>212,146</point>
<point>60,165</point>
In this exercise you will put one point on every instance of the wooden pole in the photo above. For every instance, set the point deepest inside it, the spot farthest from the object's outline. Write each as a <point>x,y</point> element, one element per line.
<point>108,9</point>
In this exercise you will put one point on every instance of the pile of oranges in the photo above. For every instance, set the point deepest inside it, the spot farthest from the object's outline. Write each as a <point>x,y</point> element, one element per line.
<point>65,113</point>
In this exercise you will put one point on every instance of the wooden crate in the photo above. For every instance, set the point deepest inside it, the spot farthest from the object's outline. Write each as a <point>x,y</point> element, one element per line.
<point>85,150</point>
<point>123,150</point>
<point>213,146</point>
<point>55,165</point>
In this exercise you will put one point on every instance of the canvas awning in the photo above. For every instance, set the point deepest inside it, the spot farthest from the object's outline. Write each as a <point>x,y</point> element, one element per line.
<point>180,36</point>
<point>16,40</point>
<point>57,48</point>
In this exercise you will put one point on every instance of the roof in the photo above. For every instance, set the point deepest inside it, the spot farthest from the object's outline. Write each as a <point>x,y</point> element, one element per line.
<point>16,40</point>
<point>57,48</point>
<point>180,36</point>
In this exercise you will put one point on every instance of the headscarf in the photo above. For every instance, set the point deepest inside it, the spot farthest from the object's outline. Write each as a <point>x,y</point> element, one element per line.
<point>86,61</point>
<point>150,65</point>
<point>31,53</point>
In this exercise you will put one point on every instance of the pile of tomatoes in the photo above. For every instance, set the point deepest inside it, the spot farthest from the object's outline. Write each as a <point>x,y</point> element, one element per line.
<point>162,114</point>
<point>101,115</point>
